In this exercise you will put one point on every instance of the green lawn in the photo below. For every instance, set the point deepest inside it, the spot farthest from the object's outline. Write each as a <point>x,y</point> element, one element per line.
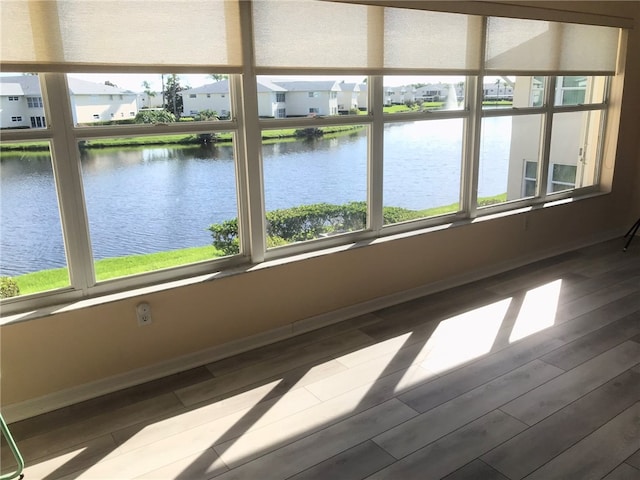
<point>132,264</point>
<point>116,267</point>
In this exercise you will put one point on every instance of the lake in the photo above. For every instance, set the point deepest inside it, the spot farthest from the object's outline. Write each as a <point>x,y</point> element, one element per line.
<point>150,199</point>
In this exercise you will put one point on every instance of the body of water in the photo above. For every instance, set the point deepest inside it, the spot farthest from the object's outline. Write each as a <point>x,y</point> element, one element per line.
<point>152,199</point>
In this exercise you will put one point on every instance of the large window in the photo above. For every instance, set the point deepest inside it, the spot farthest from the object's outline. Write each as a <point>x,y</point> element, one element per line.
<point>278,147</point>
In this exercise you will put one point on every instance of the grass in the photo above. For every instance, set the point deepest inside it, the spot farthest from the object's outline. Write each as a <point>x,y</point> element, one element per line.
<point>132,264</point>
<point>116,267</point>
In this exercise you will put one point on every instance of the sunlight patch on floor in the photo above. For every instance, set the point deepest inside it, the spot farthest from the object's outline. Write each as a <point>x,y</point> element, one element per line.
<point>538,310</point>
<point>464,337</point>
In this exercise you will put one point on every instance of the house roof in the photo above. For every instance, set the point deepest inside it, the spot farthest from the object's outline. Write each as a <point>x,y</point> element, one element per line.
<point>30,85</point>
<point>83,87</point>
<point>216,87</point>
<point>20,85</point>
<point>349,87</point>
<point>309,86</point>
<point>223,87</point>
<point>11,89</point>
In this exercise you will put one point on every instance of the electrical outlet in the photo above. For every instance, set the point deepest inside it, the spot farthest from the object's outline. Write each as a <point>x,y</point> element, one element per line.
<point>143,312</point>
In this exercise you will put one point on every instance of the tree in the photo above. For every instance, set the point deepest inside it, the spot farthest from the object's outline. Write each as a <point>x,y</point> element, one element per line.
<point>154,116</point>
<point>147,90</point>
<point>173,96</point>
<point>217,76</point>
<point>107,82</point>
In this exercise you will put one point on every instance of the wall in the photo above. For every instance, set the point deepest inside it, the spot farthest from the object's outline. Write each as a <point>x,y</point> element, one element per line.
<point>70,348</point>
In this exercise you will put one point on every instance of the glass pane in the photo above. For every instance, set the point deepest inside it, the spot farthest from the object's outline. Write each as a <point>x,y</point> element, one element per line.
<point>21,101</point>
<point>315,182</point>
<point>573,160</point>
<point>311,95</point>
<point>508,145</point>
<point>32,251</point>
<point>578,90</point>
<point>152,201</point>
<point>121,99</point>
<point>418,93</point>
<point>422,165</point>
<point>513,92</point>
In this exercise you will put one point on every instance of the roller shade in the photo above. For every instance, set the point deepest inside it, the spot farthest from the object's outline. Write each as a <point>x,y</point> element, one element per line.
<point>515,45</point>
<point>55,34</point>
<point>323,35</point>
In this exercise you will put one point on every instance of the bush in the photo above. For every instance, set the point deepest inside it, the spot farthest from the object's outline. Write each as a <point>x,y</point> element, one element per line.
<point>225,236</point>
<point>312,132</point>
<point>8,287</point>
<point>207,115</point>
<point>307,222</point>
<point>155,116</point>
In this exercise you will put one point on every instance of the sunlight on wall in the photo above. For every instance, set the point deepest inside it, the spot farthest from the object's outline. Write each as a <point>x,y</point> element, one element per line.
<point>538,310</point>
<point>464,337</point>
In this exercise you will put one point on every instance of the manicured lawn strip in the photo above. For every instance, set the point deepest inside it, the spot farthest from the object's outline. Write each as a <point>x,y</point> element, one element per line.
<point>116,267</point>
<point>132,264</point>
<point>24,146</point>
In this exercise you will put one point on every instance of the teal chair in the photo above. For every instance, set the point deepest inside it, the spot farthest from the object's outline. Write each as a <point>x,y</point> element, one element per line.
<point>14,449</point>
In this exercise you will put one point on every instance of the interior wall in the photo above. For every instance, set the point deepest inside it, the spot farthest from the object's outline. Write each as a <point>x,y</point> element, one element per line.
<point>67,349</point>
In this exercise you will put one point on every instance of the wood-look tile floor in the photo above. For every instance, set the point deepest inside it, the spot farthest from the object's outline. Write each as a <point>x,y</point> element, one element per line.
<point>532,374</point>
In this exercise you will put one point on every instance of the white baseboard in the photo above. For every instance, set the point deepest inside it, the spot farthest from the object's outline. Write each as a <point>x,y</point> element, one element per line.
<point>70,396</point>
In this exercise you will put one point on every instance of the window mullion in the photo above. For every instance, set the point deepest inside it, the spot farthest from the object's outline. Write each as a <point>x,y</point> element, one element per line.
<point>68,177</point>
<point>375,154</point>
<point>471,168</point>
<point>252,219</point>
<point>543,167</point>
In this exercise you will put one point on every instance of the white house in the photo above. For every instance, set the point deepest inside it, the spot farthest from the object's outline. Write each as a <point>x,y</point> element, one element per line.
<point>348,97</point>
<point>500,90</point>
<point>275,99</point>
<point>149,100</point>
<point>305,98</point>
<point>573,159</point>
<point>21,102</point>
<point>212,96</point>
<point>94,102</point>
<point>399,95</point>
<point>272,99</point>
<point>363,96</point>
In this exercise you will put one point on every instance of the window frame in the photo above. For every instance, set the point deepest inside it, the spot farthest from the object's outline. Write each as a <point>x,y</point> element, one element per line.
<point>64,136</point>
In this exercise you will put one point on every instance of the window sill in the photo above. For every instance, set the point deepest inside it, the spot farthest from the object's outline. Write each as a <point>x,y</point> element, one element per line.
<point>71,305</point>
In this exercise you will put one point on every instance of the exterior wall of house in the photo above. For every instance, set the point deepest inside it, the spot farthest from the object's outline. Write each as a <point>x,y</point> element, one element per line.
<point>145,100</point>
<point>347,99</point>
<point>568,143</point>
<point>363,98</point>
<point>267,105</point>
<point>218,102</point>
<point>14,113</point>
<point>300,103</point>
<point>103,108</point>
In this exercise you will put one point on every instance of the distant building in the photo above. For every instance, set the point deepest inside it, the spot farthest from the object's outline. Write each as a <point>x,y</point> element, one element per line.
<point>348,97</point>
<point>94,102</point>
<point>275,99</point>
<point>149,100</point>
<point>21,103</point>
<point>363,96</point>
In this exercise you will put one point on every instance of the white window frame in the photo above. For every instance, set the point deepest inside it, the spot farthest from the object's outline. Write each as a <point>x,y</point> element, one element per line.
<point>247,127</point>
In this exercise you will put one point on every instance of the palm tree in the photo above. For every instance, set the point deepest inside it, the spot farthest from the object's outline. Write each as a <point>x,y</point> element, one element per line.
<point>147,90</point>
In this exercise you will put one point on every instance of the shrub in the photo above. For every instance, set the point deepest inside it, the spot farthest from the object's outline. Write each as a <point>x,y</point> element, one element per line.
<point>309,132</point>
<point>8,287</point>
<point>225,236</point>
<point>307,222</point>
<point>155,116</point>
<point>207,115</point>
